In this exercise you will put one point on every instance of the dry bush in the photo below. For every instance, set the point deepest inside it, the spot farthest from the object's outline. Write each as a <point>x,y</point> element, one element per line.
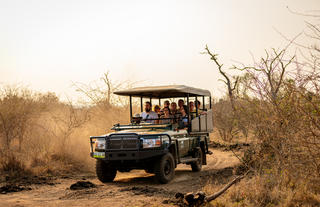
<point>232,125</point>
<point>278,100</point>
<point>17,109</point>
<point>286,120</point>
<point>42,135</point>
<point>284,116</point>
<point>225,121</point>
<point>13,164</point>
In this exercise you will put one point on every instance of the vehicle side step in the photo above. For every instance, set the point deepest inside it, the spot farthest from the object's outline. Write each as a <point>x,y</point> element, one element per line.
<point>188,159</point>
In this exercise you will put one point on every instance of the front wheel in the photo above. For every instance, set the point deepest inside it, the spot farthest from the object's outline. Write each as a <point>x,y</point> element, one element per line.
<point>197,165</point>
<point>105,172</point>
<point>164,168</point>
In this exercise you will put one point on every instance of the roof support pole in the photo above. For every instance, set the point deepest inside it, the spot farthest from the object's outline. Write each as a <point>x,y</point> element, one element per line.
<point>203,104</point>
<point>188,107</point>
<point>141,104</point>
<point>204,108</point>
<point>197,112</point>
<point>130,102</point>
<point>196,104</point>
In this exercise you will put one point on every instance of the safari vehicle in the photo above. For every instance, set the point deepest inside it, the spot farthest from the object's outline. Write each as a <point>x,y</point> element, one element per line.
<point>156,148</point>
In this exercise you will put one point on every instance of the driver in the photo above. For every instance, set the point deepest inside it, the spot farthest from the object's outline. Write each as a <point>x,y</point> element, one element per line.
<point>149,114</point>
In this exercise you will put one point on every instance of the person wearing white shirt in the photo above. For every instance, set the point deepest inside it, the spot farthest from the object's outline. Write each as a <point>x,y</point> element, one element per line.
<point>149,114</point>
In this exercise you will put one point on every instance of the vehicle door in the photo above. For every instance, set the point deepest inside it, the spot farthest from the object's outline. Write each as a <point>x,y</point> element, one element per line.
<point>184,145</point>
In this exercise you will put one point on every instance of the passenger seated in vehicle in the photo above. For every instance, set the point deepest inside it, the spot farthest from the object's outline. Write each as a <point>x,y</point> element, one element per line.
<point>183,121</point>
<point>191,106</point>
<point>181,103</point>
<point>174,112</point>
<point>149,114</point>
<point>157,110</point>
<point>192,109</point>
<point>166,118</point>
<point>165,104</point>
<point>200,110</point>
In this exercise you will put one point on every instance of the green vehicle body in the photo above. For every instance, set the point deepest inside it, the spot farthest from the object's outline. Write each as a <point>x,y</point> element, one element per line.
<point>156,148</point>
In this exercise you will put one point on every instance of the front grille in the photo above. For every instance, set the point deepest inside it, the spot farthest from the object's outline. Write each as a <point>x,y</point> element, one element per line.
<point>122,142</point>
<point>114,144</point>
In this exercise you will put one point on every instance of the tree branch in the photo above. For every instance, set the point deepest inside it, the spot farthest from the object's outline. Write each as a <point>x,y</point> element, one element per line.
<point>225,188</point>
<point>199,198</point>
<point>227,79</point>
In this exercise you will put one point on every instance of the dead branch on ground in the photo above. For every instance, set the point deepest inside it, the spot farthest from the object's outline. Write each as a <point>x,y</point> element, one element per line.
<point>199,198</point>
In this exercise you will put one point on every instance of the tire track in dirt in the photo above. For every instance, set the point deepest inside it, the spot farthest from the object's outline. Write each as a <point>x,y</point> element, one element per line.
<point>136,188</point>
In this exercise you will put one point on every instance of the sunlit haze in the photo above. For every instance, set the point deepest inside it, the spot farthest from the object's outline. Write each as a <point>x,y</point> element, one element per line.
<point>48,45</point>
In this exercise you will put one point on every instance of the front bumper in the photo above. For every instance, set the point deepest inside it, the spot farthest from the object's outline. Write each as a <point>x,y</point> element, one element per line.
<point>128,147</point>
<point>128,155</point>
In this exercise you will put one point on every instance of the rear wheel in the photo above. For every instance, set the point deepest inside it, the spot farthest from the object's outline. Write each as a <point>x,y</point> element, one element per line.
<point>197,165</point>
<point>164,168</point>
<point>105,172</point>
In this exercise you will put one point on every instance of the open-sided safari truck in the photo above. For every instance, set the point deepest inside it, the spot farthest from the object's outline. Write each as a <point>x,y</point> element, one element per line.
<point>156,148</point>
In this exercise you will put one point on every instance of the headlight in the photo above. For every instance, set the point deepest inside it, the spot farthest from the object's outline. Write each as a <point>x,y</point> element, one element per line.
<point>151,142</point>
<point>100,144</point>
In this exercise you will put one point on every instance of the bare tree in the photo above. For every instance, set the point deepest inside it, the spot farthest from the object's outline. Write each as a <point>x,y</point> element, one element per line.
<point>273,68</point>
<point>230,122</point>
<point>231,85</point>
<point>100,93</point>
<point>108,83</point>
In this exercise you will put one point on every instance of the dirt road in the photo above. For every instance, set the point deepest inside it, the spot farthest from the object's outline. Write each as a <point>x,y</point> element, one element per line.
<point>135,188</point>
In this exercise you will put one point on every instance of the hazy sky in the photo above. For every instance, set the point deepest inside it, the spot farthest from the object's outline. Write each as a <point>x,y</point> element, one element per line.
<point>47,45</point>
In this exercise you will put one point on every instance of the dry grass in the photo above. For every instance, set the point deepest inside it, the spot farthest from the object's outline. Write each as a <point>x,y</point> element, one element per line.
<point>261,191</point>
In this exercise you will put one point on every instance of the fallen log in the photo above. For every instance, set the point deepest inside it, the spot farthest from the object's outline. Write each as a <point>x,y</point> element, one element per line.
<point>199,198</point>
<point>225,188</point>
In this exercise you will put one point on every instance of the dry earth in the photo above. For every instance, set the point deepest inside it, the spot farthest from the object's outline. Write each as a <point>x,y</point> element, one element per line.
<point>135,188</point>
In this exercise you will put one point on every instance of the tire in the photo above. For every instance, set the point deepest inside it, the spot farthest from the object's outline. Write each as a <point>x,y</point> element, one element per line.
<point>164,168</point>
<point>196,166</point>
<point>105,172</point>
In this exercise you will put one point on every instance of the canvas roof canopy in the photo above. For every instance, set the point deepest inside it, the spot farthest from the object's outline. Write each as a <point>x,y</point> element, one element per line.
<point>169,91</point>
